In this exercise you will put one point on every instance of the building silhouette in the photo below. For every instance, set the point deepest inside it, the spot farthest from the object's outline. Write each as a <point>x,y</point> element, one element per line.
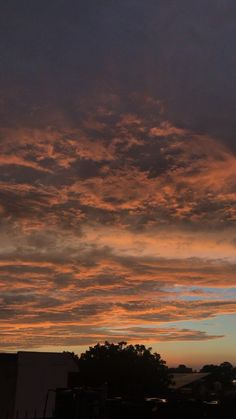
<point>28,381</point>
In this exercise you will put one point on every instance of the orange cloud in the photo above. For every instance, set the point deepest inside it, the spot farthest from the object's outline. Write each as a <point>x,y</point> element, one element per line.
<point>114,228</point>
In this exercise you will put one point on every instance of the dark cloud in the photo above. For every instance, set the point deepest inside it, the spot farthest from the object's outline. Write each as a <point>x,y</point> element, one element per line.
<point>57,57</point>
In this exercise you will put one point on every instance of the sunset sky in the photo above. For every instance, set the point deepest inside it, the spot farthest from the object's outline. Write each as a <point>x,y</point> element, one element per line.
<point>118,176</point>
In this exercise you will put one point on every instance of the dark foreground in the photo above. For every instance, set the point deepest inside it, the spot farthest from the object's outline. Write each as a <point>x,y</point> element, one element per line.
<point>170,409</point>
<point>153,408</point>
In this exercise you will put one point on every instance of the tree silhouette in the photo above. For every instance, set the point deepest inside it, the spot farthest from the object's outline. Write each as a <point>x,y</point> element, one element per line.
<point>225,372</point>
<point>128,370</point>
<point>181,369</point>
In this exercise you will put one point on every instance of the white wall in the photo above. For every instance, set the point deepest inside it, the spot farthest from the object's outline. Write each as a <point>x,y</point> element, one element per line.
<point>37,373</point>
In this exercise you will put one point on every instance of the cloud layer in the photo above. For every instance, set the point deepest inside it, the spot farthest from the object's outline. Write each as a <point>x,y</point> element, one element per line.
<point>118,171</point>
<point>125,221</point>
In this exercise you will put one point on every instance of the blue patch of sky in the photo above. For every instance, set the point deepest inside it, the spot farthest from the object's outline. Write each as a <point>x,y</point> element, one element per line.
<point>206,293</point>
<point>219,325</point>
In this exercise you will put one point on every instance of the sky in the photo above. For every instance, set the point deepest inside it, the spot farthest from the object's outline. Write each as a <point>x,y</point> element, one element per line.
<point>118,176</point>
